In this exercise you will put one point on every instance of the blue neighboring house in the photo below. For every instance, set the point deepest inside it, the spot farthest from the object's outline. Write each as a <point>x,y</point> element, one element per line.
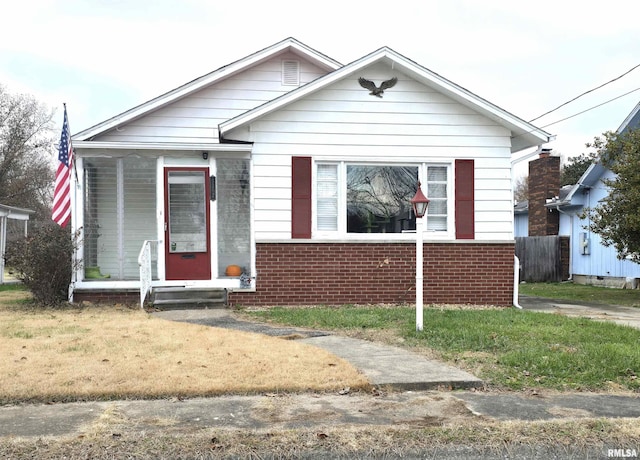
<point>590,261</point>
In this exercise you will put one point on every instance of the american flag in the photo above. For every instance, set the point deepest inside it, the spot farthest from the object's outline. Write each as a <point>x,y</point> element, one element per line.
<point>62,192</point>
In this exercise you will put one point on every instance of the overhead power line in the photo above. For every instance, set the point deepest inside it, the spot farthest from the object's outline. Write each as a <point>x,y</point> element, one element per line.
<point>586,92</point>
<point>591,108</point>
<point>580,113</point>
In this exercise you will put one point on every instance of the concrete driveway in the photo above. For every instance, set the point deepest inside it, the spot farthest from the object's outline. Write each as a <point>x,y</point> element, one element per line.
<point>627,316</point>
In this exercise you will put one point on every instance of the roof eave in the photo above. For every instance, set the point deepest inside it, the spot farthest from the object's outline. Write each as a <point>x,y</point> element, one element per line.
<point>627,121</point>
<point>294,95</point>
<point>527,134</point>
<point>205,80</point>
<point>160,146</point>
<point>591,176</point>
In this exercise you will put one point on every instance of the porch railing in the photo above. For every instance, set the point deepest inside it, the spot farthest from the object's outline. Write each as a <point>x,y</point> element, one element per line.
<point>144,262</point>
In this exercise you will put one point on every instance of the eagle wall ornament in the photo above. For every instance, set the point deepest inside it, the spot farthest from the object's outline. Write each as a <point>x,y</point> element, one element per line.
<point>377,90</point>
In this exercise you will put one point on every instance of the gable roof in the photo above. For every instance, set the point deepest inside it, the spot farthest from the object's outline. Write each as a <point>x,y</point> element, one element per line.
<point>524,134</point>
<point>632,121</point>
<point>592,174</point>
<point>563,199</point>
<point>288,44</point>
<point>588,180</point>
<point>595,170</point>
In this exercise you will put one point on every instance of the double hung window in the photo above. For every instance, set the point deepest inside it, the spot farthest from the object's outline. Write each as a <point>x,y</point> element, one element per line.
<point>353,198</point>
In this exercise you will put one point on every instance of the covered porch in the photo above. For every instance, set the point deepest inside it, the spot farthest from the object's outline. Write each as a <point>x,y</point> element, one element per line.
<point>189,206</point>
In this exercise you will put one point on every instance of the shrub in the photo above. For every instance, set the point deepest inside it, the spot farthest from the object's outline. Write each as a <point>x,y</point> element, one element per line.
<point>43,262</point>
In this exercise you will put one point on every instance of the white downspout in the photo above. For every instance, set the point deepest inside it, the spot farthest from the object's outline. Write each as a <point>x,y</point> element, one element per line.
<point>516,281</point>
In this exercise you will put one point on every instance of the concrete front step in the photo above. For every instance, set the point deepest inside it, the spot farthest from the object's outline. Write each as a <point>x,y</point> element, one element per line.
<point>185,298</point>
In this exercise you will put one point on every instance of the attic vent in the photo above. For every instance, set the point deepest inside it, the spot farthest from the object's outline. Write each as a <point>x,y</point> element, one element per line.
<point>291,73</point>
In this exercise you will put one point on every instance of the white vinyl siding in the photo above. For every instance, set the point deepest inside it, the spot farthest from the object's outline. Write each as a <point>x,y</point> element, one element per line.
<point>410,123</point>
<point>195,118</point>
<point>602,260</point>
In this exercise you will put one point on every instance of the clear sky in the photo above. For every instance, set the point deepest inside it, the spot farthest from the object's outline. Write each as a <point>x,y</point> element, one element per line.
<point>103,57</point>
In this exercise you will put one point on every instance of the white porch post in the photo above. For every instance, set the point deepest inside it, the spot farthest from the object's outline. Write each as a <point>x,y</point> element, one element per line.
<point>3,240</point>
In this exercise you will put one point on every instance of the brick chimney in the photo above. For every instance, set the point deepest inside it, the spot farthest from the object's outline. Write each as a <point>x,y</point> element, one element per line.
<point>544,184</point>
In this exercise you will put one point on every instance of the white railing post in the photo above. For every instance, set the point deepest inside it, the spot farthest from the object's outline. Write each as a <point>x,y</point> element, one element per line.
<point>516,282</point>
<point>144,262</point>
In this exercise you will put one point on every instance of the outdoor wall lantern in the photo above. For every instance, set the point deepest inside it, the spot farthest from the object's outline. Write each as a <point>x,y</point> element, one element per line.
<point>205,155</point>
<point>244,178</point>
<point>420,204</point>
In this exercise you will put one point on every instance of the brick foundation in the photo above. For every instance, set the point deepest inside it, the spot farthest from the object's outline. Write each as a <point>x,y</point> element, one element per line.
<point>368,273</point>
<point>107,296</point>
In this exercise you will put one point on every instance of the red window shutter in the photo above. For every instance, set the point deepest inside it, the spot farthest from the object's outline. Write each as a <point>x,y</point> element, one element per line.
<point>301,197</point>
<point>465,220</point>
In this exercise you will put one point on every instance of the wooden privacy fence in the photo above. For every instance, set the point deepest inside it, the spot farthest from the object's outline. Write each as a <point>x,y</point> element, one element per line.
<point>543,258</point>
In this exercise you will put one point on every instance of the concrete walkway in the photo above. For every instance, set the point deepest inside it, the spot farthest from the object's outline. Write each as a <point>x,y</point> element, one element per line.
<point>382,364</point>
<point>290,411</point>
<point>395,367</point>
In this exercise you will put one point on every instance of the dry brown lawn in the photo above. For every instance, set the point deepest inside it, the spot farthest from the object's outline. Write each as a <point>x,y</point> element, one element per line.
<point>577,438</point>
<point>117,352</point>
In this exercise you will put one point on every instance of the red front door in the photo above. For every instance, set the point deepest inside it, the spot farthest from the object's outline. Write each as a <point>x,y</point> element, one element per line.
<point>187,224</point>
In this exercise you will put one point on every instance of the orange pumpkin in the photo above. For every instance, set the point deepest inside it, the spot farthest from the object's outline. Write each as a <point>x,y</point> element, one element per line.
<point>233,270</point>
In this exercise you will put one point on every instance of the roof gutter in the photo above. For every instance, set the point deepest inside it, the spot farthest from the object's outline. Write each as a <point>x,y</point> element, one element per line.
<point>538,151</point>
<point>218,147</point>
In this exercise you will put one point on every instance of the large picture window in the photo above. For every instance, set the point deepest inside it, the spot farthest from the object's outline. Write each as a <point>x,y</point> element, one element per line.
<point>378,198</point>
<point>361,198</point>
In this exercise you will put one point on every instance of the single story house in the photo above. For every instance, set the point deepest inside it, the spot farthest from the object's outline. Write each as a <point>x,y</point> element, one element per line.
<point>286,178</point>
<point>590,262</point>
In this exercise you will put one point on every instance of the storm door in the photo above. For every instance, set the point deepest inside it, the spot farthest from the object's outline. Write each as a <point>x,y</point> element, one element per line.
<point>187,241</point>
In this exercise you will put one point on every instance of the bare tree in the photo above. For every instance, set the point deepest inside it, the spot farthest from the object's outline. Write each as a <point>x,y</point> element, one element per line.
<point>26,149</point>
<point>521,189</point>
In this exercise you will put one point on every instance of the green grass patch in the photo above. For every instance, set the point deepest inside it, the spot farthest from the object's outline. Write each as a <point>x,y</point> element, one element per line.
<point>347,317</point>
<point>507,348</point>
<point>12,287</point>
<point>583,292</point>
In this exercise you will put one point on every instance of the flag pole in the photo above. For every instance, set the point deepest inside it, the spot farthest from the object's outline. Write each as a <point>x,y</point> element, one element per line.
<point>74,256</point>
<point>73,153</point>
<point>64,199</point>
